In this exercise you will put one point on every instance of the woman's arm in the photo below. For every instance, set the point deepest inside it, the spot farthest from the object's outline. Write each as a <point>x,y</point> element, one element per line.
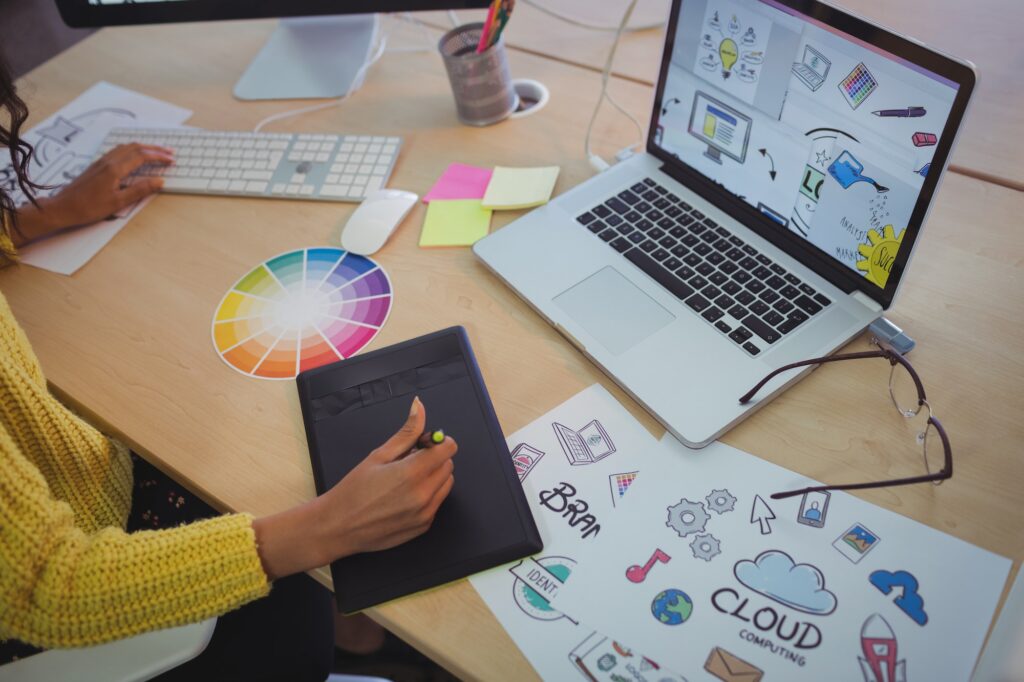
<point>103,189</point>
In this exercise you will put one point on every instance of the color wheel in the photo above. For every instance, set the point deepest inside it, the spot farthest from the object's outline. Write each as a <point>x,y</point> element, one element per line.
<point>300,310</point>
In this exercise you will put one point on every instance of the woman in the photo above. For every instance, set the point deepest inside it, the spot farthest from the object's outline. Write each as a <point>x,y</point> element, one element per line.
<point>72,575</point>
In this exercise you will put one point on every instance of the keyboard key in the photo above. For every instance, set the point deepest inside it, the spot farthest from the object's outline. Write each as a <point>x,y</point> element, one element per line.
<point>751,348</point>
<point>735,241</point>
<point>654,214</point>
<point>741,276</point>
<point>698,282</point>
<point>667,242</point>
<point>702,248</point>
<point>639,187</point>
<point>692,259</point>
<point>728,267</point>
<point>645,225</point>
<point>789,291</point>
<point>738,311</point>
<point>677,232</point>
<point>768,296</point>
<point>798,315</point>
<point>697,214</point>
<point>748,263</point>
<point>723,327</point>
<point>660,190</point>
<point>807,289</point>
<point>762,273</point>
<point>617,205</point>
<point>628,197</point>
<point>637,237</point>
<point>648,246</point>
<point>712,314</point>
<point>697,228</point>
<point>740,335</point>
<point>822,299</point>
<point>661,203</point>
<point>723,233</point>
<point>626,228</point>
<point>586,218</point>
<point>621,244</point>
<point>792,279</point>
<point>722,245</point>
<point>777,269</point>
<point>807,305</point>
<point>597,226</point>
<point>642,207</point>
<point>698,302</point>
<point>710,237</point>
<point>666,223</point>
<point>764,260</point>
<point>655,233</point>
<point>711,291</point>
<point>673,198</point>
<point>659,274</point>
<point>725,301</point>
<point>759,307</point>
<point>686,272</point>
<point>761,329</point>
<point>613,220</point>
<point>734,254</point>
<point>731,288</point>
<point>679,250</point>
<point>608,235</point>
<point>684,219</point>
<point>673,211</point>
<point>673,264</point>
<point>773,318</point>
<point>660,255</point>
<point>633,217</point>
<point>782,305</point>
<point>718,278</point>
<point>690,240</point>
<point>745,297</point>
<point>775,282</point>
<point>651,195</point>
<point>187,184</point>
<point>715,258</point>
<point>749,250</point>
<point>649,182</point>
<point>755,286</point>
<point>705,269</point>
<point>601,211</point>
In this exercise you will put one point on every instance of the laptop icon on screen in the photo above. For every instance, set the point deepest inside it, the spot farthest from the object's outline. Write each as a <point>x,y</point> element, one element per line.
<point>813,69</point>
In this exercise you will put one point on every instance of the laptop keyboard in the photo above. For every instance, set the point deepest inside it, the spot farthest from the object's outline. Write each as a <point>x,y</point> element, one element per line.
<point>740,292</point>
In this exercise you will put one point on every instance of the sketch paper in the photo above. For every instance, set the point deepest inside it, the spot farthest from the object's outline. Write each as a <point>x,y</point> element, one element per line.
<point>860,594</point>
<point>565,461</point>
<point>64,146</point>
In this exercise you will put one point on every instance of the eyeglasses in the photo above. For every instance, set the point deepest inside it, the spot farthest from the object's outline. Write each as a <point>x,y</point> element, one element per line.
<point>899,364</point>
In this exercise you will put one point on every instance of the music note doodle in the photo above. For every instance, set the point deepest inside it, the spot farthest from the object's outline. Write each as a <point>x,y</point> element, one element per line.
<point>637,574</point>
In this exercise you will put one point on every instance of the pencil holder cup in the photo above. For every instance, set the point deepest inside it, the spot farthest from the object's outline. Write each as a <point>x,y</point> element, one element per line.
<point>481,83</point>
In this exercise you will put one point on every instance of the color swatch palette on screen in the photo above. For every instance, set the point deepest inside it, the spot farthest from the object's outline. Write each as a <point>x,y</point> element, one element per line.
<point>620,484</point>
<point>858,85</point>
<point>301,310</point>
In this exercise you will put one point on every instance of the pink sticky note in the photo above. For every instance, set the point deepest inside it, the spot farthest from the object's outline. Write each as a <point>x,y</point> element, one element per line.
<point>460,181</point>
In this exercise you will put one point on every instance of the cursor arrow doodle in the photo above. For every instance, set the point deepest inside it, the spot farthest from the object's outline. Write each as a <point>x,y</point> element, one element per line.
<point>764,152</point>
<point>762,513</point>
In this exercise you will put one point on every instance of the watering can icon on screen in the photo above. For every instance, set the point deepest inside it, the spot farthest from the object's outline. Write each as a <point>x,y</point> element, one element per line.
<point>847,170</point>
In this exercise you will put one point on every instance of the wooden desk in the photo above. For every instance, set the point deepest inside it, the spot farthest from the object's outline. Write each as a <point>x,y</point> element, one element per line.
<point>126,340</point>
<point>991,145</point>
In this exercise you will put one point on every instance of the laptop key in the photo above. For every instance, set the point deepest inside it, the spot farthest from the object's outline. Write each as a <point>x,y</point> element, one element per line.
<point>659,274</point>
<point>621,244</point>
<point>718,278</point>
<point>686,272</point>
<point>637,237</point>
<point>789,325</point>
<point>645,225</point>
<point>791,278</point>
<point>728,267</point>
<point>673,263</point>
<point>775,282</point>
<point>667,242</point>
<point>748,263</point>
<point>686,206</point>
<point>712,314</point>
<point>673,198</point>
<point>725,301</point>
<point>597,226</point>
<point>648,246</point>
<point>735,241</point>
<point>738,312</point>
<point>649,182</point>
<point>613,220</point>
<point>745,297</point>
<point>710,237</point>
<point>722,245</point>
<point>690,239</point>
<point>715,258</point>
<point>697,214</point>
<point>789,291</point>
<point>734,254</point>
<point>633,217</point>
<point>654,215</point>
<point>782,305</point>
<point>660,255</point>
<point>773,318</point>
<point>761,329</point>
<point>749,250</point>
<point>651,195</point>
<point>751,348</point>
<point>722,232</point>
<point>741,276</point>
<point>705,269</point>
<point>711,291</point>
<point>698,282</point>
<point>666,223</point>
<point>702,248</point>
<point>673,211</point>
<point>586,218</point>
<point>807,289</point>
<point>755,286</point>
<point>655,233</point>
<point>822,300</point>
<point>807,305</point>
<point>762,273</point>
<point>684,219</point>
<point>617,205</point>
<point>601,211</point>
<point>741,334</point>
<point>759,307</point>
<point>798,315</point>
<point>692,259</point>
<point>642,207</point>
<point>768,296</point>
<point>698,302</point>
<point>731,288</point>
<point>723,327</point>
<point>660,190</point>
<point>677,232</point>
<point>608,235</point>
<point>679,250</point>
<point>628,197</point>
<point>626,228</point>
<point>661,203</point>
<point>777,269</point>
<point>639,187</point>
<point>764,260</point>
<point>697,228</point>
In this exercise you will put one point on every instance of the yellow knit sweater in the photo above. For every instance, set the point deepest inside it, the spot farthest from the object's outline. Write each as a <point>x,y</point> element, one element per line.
<point>69,574</point>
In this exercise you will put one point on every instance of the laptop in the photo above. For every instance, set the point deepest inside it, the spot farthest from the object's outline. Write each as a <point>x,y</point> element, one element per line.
<point>765,223</point>
<point>813,69</point>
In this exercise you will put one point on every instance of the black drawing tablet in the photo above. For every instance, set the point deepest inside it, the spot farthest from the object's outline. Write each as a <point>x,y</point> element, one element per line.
<point>352,406</point>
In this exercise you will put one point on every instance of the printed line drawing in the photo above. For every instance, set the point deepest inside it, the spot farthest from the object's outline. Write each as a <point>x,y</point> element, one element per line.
<point>775,575</point>
<point>924,139</point>
<point>814,509</point>
<point>880,662</point>
<point>923,170</point>
<point>905,112</point>
<point>761,513</point>
<point>858,86</point>
<point>765,153</point>
<point>847,171</point>
<point>619,484</point>
<point>856,542</point>
<point>813,70</point>
<point>907,600</point>
<point>576,511</point>
<point>686,517</point>
<point>723,129</point>
<point>822,142</point>
<point>878,255</point>
<point>600,659</point>
<point>705,546</point>
<point>537,581</point>
<point>525,457</point>
<point>588,445</point>
<point>773,214</point>
<point>720,501</point>
<point>638,574</point>
<point>729,667</point>
<point>672,607</point>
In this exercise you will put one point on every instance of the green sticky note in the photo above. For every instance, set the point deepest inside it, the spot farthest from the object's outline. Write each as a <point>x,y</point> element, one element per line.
<point>455,222</point>
<point>512,188</point>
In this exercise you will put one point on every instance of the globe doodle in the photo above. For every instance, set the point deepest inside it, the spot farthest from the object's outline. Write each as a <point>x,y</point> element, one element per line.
<point>672,607</point>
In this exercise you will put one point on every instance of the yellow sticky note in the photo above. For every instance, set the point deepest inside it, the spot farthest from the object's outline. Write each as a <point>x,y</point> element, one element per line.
<point>512,188</point>
<point>456,222</point>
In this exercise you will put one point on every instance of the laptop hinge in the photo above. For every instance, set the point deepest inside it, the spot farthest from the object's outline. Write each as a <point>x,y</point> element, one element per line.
<point>866,301</point>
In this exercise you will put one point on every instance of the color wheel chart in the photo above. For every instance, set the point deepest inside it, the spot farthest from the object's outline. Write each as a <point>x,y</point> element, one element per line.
<point>300,310</point>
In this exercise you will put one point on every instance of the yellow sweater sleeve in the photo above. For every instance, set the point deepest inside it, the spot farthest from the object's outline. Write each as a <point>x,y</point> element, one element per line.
<point>8,254</point>
<point>62,587</point>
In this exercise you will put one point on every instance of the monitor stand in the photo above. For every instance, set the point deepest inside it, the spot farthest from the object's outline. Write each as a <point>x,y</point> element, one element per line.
<point>713,154</point>
<point>310,57</point>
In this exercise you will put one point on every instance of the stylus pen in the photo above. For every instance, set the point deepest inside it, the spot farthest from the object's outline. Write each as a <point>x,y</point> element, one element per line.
<point>430,438</point>
<point>909,112</point>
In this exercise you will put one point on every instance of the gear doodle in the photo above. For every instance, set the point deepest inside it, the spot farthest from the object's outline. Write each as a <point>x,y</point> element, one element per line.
<point>721,501</point>
<point>705,546</point>
<point>687,517</point>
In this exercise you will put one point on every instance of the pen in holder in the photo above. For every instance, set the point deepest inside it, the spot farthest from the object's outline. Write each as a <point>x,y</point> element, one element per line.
<point>481,83</point>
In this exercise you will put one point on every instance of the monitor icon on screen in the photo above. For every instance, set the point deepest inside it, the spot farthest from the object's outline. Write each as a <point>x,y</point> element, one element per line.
<point>722,128</point>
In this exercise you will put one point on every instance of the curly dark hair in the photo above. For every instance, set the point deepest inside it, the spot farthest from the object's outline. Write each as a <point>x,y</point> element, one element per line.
<point>10,137</point>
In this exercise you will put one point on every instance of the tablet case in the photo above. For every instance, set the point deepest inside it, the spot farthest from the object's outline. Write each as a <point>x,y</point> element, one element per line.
<point>352,406</point>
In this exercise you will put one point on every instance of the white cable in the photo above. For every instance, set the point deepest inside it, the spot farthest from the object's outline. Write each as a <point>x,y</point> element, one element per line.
<point>356,82</point>
<point>596,161</point>
<point>587,25</point>
<point>453,17</point>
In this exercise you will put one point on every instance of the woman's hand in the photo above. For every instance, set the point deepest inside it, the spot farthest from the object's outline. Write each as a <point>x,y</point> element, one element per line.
<point>103,189</point>
<point>387,499</point>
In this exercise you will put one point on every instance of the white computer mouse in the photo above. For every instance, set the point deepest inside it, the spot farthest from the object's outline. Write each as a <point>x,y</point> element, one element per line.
<point>373,221</point>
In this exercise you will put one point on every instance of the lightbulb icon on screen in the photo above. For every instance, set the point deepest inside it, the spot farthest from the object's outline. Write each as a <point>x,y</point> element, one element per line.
<point>728,53</point>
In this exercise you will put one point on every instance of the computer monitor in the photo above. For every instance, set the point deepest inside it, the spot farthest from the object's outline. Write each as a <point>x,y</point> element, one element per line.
<point>725,130</point>
<point>311,56</point>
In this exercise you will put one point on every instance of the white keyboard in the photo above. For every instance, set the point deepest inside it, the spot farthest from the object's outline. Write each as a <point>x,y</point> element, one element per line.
<point>285,165</point>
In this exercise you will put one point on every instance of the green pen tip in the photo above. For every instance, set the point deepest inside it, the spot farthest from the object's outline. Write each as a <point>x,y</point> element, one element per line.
<point>437,437</point>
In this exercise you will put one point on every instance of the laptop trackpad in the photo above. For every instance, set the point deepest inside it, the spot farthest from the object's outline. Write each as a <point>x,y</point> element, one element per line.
<point>613,310</point>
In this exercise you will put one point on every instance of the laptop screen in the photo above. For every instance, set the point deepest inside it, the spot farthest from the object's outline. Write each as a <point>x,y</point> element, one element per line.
<point>823,133</point>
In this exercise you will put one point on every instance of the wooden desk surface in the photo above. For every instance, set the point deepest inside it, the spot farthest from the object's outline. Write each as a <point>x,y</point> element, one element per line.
<point>991,144</point>
<point>126,339</point>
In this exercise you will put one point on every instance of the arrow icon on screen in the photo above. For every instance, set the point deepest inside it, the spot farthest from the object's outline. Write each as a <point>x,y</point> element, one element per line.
<point>764,152</point>
<point>762,513</point>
